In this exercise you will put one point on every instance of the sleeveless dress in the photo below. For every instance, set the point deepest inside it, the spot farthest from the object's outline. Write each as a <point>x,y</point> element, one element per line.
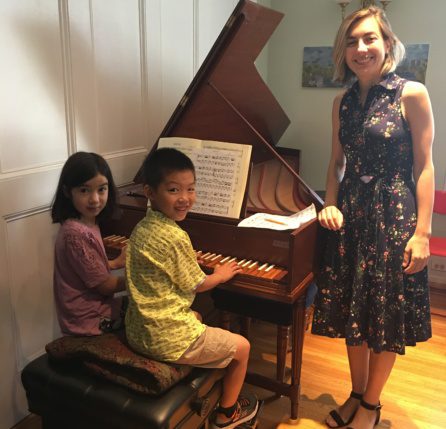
<point>363,293</point>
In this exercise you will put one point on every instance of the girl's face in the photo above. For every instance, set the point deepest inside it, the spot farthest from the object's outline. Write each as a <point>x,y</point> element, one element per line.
<point>90,198</point>
<point>366,49</point>
<point>175,195</point>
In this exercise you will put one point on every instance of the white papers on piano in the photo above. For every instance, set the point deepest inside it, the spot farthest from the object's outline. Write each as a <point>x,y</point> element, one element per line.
<point>221,171</point>
<point>269,221</point>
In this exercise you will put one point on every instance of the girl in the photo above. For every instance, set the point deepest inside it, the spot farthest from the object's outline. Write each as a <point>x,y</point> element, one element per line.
<point>373,287</point>
<point>83,283</point>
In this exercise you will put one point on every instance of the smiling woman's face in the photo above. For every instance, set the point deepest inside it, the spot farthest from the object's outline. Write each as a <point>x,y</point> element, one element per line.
<point>366,49</point>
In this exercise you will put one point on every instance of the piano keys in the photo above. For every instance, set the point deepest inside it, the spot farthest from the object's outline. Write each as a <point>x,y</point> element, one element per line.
<point>249,267</point>
<point>115,241</point>
<point>208,261</point>
<point>228,101</point>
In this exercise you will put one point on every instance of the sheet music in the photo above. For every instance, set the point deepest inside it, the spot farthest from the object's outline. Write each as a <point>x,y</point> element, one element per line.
<point>280,223</point>
<point>221,170</point>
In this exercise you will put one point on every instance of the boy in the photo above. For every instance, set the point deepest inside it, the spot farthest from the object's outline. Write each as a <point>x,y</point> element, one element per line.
<point>163,277</point>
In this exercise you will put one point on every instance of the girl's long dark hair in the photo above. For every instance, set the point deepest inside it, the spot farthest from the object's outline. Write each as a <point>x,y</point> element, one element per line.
<point>78,169</point>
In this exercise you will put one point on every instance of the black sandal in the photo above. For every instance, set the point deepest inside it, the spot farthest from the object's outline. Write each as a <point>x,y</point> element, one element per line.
<point>338,419</point>
<point>371,407</point>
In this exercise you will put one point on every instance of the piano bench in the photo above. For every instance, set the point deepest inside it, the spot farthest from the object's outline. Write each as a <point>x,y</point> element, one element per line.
<point>66,396</point>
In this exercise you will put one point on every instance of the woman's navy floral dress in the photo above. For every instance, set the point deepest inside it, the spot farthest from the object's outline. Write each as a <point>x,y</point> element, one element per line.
<point>363,293</point>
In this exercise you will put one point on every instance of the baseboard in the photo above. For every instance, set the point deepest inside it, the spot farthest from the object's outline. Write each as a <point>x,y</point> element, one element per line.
<point>32,421</point>
<point>438,298</point>
<point>437,286</point>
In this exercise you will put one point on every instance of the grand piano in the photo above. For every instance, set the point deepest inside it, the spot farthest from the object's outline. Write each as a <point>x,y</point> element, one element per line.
<point>228,101</point>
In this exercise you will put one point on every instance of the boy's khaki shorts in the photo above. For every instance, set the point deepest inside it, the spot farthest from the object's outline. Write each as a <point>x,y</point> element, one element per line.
<point>214,348</point>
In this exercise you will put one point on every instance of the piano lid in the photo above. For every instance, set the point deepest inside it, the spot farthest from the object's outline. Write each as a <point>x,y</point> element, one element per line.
<point>227,100</point>
<point>228,89</point>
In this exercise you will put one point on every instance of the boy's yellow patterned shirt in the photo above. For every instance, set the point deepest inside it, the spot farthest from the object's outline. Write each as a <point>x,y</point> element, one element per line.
<point>162,274</point>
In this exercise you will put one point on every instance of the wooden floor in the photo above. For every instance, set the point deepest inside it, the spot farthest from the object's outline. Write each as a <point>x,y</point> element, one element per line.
<point>414,398</point>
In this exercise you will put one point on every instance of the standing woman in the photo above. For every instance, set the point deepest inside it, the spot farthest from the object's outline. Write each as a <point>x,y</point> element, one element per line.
<point>373,287</point>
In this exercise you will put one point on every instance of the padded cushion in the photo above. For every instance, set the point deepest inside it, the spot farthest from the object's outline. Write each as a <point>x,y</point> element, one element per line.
<point>110,356</point>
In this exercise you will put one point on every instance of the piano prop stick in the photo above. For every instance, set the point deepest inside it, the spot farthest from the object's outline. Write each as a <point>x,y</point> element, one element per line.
<point>228,103</point>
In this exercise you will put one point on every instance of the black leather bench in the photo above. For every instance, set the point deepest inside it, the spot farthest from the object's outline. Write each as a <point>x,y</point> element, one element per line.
<point>66,396</point>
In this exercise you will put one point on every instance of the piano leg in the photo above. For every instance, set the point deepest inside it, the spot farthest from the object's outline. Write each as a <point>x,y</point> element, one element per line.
<point>245,326</point>
<point>298,331</point>
<point>283,315</point>
<point>225,320</point>
<point>283,333</point>
<point>245,323</point>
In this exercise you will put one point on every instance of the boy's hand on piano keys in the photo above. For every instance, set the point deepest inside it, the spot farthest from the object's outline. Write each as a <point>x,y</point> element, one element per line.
<point>222,273</point>
<point>227,271</point>
<point>200,259</point>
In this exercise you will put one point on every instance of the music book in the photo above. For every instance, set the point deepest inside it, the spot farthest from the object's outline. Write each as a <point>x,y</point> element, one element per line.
<point>221,170</point>
<point>278,222</point>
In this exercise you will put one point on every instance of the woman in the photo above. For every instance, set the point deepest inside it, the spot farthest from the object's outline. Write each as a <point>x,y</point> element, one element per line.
<point>379,195</point>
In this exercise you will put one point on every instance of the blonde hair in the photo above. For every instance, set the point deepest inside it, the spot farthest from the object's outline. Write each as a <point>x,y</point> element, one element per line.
<point>342,72</point>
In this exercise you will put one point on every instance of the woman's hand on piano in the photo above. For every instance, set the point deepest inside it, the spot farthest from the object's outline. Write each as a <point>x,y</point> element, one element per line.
<point>330,217</point>
<point>222,273</point>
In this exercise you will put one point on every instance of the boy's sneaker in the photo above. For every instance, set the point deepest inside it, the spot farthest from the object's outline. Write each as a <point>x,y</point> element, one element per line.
<point>246,408</point>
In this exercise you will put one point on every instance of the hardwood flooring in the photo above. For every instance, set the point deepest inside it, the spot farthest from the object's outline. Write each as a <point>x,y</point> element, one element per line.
<point>414,398</point>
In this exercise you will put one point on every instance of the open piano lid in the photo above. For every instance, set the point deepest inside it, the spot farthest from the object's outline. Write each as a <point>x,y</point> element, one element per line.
<point>227,100</point>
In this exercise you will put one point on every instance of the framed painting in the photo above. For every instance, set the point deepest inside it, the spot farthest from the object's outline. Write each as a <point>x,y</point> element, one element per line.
<point>317,70</point>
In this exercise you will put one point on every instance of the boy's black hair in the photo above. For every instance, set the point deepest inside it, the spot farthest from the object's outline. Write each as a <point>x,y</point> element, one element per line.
<point>78,169</point>
<point>162,162</point>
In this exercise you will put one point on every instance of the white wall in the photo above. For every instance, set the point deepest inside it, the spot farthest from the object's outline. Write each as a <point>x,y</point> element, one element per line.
<point>314,23</point>
<point>94,75</point>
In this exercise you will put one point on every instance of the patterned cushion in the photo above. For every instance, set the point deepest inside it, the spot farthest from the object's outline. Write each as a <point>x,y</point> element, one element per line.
<point>109,355</point>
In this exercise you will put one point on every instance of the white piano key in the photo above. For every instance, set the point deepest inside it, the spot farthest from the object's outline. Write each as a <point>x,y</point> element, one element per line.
<point>262,267</point>
<point>269,268</point>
